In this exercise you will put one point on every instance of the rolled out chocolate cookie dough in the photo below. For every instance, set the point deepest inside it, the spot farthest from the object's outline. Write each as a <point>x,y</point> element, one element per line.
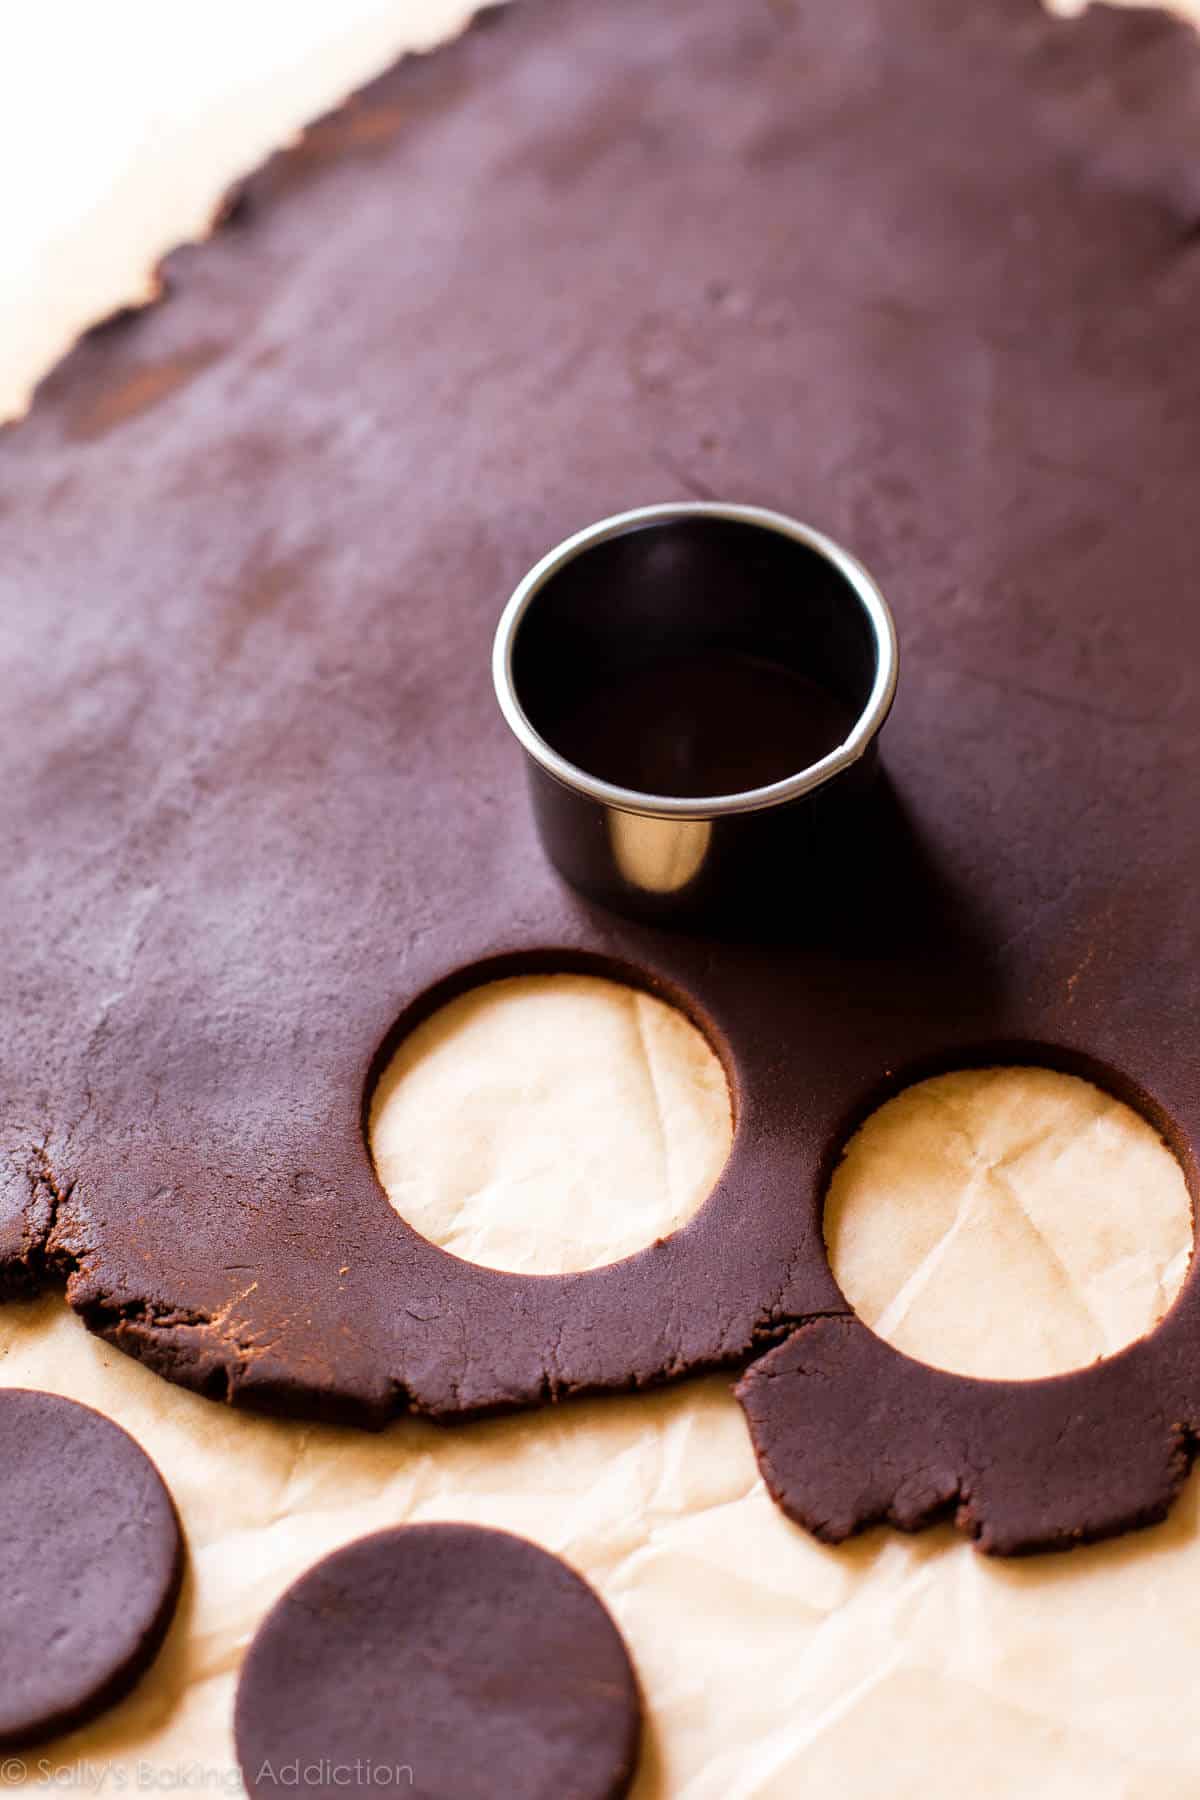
<point>468,1662</point>
<point>90,1563</point>
<point>923,274</point>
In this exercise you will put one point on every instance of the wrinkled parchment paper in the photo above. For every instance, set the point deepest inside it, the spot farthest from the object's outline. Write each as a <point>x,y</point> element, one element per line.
<point>497,1185</point>
<point>771,1666</point>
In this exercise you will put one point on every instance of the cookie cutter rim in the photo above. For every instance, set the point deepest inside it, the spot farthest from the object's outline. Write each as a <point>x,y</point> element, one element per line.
<point>854,746</point>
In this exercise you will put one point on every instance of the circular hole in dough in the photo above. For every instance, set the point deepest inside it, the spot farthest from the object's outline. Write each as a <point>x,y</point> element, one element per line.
<point>1009,1222</point>
<point>550,1123</point>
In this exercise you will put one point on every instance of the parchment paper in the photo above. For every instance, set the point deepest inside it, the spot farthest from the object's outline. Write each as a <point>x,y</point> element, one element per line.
<point>771,1666</point>
<point>886,1667</point>
<point>122,124</point>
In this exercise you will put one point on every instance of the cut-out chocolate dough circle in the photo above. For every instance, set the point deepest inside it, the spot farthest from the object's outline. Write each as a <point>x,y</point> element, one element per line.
<point>924,275</point>
<point>540,1081</point>
<point>90,1563</point>
<point>471,1657</point>
<point>1022,1195</point>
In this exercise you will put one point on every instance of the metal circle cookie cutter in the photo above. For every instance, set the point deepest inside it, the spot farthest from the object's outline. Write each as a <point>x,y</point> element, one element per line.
<point>681,580</point>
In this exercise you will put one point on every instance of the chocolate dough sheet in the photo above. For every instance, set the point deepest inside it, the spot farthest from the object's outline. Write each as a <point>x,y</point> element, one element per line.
<point>907,1656</point>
